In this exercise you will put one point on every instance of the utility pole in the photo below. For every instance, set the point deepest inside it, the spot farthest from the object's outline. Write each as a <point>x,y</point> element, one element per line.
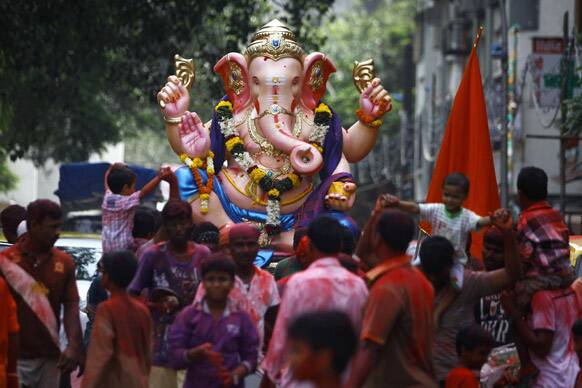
<point>504,69</point>
<point>565,68</point>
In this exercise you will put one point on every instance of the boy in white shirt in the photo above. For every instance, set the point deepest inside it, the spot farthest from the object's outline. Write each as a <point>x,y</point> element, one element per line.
<point>448,219</point>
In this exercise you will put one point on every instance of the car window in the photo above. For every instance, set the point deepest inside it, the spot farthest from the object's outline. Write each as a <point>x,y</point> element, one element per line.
<point>85,260</point>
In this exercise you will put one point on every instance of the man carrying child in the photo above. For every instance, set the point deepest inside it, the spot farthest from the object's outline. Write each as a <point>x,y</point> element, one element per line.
<point>119,204</point>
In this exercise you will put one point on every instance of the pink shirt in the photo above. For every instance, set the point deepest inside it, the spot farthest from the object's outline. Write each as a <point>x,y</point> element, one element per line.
<point>117,216</point>
<point>555,311</point>
<point>324,285</point>
<point>254,298</point>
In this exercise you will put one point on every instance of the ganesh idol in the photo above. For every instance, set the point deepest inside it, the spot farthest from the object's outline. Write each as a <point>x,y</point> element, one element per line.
<point>274,154</point>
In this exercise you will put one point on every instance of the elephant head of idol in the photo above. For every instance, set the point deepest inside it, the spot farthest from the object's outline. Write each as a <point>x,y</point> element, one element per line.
<point>275,78</point>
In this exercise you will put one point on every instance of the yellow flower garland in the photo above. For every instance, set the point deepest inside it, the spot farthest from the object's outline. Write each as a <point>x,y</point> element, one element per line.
<point>322,108</point>
<point>273,193</point>
<point>230,143</point>
<point>223,104</point>
<point>257,174</point>
<point>294,178</point>
<point>318,147</point>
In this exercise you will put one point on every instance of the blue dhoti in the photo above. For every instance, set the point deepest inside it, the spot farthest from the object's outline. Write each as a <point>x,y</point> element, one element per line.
<point>189,192</point>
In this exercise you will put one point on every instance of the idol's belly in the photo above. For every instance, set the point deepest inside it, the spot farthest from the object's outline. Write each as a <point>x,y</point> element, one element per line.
<point>246,194</point>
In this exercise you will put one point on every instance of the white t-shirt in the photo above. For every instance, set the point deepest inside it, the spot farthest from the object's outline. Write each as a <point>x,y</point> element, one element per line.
<point>454,227</point>
<point>555,311</point>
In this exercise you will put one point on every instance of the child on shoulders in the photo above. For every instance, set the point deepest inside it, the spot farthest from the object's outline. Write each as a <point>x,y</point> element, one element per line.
<point>448,219</point>
<point>119,202</point>
<point>542,238</point>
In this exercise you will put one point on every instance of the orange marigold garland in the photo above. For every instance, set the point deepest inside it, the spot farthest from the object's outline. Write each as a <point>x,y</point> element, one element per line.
<point>370,120</point>
<point>203,189</point>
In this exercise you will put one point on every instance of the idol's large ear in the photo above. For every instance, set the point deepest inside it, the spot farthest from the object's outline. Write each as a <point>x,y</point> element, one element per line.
<point>317,69</point>
<point>234,72</point>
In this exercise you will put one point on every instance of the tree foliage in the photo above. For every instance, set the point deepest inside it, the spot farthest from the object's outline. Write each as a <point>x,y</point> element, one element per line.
<point>377,29</point>
<point>76,75</point>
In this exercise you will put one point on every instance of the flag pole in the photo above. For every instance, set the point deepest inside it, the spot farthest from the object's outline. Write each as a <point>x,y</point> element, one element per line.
<point>478,37</point>
<point>503,161</point>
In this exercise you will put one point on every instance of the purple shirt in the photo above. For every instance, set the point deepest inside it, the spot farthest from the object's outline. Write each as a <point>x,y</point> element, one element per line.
<point>235,336</point>
<point>158,268</point>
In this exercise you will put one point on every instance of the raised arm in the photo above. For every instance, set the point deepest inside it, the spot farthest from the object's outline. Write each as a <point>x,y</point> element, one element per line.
<point>505,277</point>
<point>105,184</point>
<point>111,167</point>
<point>407,206</point>
<point>151,185</point>
<point>169,176</point>
<point>186,132</point>
<point>365,248</point>
<point>484,221</point>
<point>360,138</point>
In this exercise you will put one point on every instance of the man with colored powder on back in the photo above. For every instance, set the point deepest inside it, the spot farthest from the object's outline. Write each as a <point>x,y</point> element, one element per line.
<point>324,285</point>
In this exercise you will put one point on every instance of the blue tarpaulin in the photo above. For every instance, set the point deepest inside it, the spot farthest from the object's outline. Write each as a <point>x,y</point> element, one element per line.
<point>81,184</point>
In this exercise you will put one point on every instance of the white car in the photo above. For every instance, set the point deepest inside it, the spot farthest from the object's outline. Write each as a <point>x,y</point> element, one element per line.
<point>86,253</point>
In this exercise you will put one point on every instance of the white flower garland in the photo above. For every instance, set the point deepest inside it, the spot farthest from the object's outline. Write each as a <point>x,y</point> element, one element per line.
<point>318,134</point>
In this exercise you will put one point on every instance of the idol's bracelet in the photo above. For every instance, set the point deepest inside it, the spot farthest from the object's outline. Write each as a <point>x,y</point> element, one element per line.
<point>368,120</point>
<point>173,120</point>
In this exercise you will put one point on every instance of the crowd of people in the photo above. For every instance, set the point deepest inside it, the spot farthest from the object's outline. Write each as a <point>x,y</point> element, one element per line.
<point>176,304</point>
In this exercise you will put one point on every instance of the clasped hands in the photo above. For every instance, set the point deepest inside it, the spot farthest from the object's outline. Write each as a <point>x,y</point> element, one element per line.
<point>205,352</point>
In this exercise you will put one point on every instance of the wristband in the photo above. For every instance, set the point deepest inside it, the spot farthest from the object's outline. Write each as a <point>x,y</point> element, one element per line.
<point>173,120</point>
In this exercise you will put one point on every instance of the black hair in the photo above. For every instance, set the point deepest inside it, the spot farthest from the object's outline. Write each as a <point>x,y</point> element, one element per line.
<point>436,254</point>
<point>120,267</point>
<point>118,177</point>
<point>41,209</point>
<point>348,262</point>
<point>205,232</point>
<point>577,328</point>
<point>325,233</point>
<point>144,222</point>
<point>533,183</point>
<point>459,180</point>
<point>176,209</point>
<point>297,236</point>
<point>471,337</point>
<point>218,262</point>
<point>323,330</point>
<point>10,218</point>
<point>348,241</point>
<point>396,228</point>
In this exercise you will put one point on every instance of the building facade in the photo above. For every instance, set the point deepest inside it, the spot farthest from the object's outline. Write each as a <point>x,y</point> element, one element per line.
<point>444,36</point>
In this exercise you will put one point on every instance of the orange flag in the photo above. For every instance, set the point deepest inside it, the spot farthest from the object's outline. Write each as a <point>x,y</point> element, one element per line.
<point>466,148</point>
